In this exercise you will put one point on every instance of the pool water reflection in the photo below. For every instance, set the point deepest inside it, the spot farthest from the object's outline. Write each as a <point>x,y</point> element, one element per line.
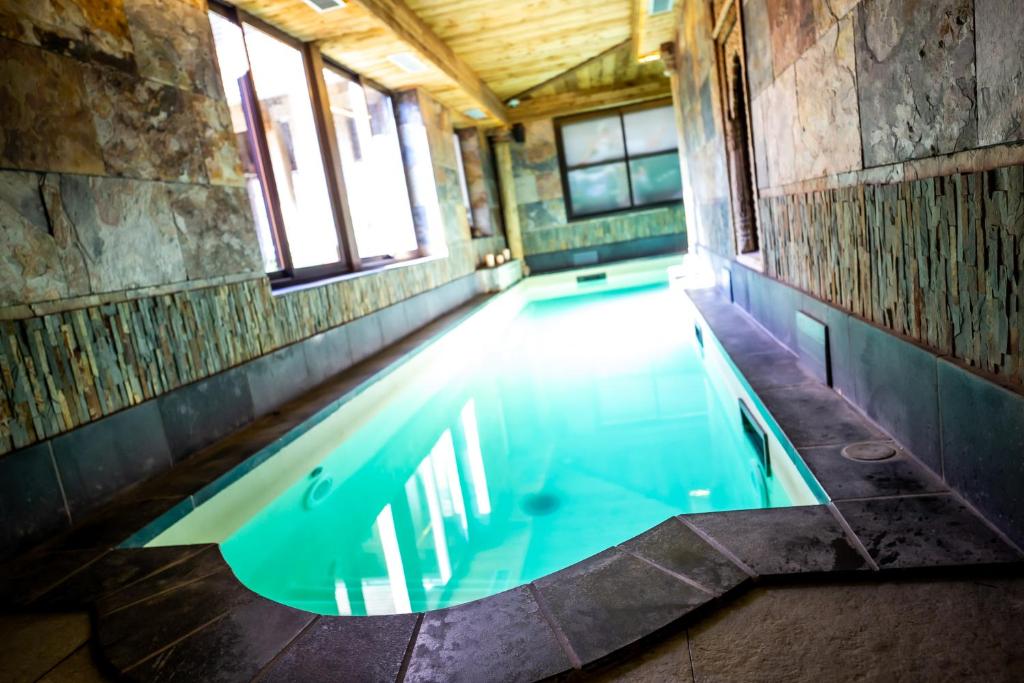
<point>583,422</point>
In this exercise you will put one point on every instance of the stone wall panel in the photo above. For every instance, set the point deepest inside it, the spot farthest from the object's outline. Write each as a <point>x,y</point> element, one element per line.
<point>916,78</point>
<point>793,30</point>
<point>46,124</point>
<point>174,44</point>
<point>939,260</point>
<point>91,30</point>
<point>1000,30</point>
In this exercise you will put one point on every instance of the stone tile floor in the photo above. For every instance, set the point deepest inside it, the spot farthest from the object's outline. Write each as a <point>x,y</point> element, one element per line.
<point>180,613</point>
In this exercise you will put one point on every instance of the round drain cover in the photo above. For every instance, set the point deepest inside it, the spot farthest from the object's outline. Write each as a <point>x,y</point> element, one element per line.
<point>869,451</point>
<point>538,504</point>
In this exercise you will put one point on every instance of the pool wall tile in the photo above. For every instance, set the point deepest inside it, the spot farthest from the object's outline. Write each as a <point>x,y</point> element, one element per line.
<point>104,457</point>
<point>983,445</point>
<point>328,353</point>
<point>277,378</point>
<point>605,253</point>
<point>394,323</point>
<point>31,503</point>
<point>366,337</point>
<point>203,412</point>
<point>812,346</point>
<point>895,384</point>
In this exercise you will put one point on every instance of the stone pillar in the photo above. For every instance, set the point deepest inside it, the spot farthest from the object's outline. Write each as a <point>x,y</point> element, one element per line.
<point>507,185</point>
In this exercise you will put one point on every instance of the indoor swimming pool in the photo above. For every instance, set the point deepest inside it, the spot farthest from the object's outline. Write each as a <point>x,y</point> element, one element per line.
<point>566,415</point>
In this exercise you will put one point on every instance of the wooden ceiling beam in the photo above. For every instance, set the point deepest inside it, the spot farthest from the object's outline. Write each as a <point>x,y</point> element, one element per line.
<point>564,104</point>
<point>412,30</point>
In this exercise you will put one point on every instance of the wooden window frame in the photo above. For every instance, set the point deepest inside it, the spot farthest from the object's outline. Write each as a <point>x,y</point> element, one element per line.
<point>564,168</point>
<point>313,63</point>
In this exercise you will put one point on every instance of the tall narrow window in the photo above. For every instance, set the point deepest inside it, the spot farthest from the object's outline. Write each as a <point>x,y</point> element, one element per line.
<point>268,91</point>
<point>234,72</point>
<point>460,164</point>
<point>279,72</point>
<point>371,161</point>
<point>619,160</point>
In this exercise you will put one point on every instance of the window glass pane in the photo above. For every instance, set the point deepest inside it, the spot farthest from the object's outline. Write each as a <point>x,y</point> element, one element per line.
<point>234,66</point>
<point>463,184</point>
<point>650,130</point>
<point>656,179</point>
<point>593,140</point>
<point>599,188</point>
<point>371,160</point>
<point>283,92</point>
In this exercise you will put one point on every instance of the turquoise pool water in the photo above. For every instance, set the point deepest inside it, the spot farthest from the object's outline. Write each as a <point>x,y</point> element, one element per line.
<point>573,426</point>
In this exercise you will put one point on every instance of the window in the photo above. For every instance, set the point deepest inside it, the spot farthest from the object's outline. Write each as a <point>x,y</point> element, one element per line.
<point>619,160</point>
<point>463,183</point>
<point>302,126</point>
<point>371,159</point>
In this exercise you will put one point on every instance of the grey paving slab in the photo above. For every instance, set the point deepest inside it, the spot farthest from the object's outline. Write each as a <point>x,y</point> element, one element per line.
<point>782,540</point>
<point>192,566</point>
<point>924,531</point>
<point>113,571</point>
<point>843,478</point>
<point>678,548</point>
<point>612,599</point>
<point>504,637</point>
<point>357,649</point>
<point>127,637</point>
<point>233,648</point>
<point>814,415</point>
<point>771,369</point>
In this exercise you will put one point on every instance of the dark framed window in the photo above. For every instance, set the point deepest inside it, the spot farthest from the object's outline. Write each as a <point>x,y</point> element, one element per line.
<point>619,160</point>
<point>460,166</point>
<point>376,188</point>
<point>294,155</point>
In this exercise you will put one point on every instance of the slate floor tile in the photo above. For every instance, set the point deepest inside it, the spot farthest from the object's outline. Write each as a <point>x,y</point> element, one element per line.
<point>116,569</point>
<point>843,478</point>
<point>356,649</point>
<point>924,531</point>
<point>114,523</point>
<point>26,578</point>
<point>174,566</point>
<point>504,637</point>
<point>782,540</point>
<point>678,548</point>
<point>613,599</point>
<point>233,648</point>
<point>129,636</point>
<point>814,415</point>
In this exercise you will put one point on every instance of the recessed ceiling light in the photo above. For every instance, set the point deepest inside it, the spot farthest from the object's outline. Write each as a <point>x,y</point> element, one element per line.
<point>325,5</point>
<point>407,61</point>
<point>654,56</point>
<point>513,103</point>
<point>476,114</point>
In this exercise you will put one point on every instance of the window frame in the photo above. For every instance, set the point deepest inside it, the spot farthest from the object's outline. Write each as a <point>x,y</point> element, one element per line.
<point>564,168</point>
<point>314,62</point>
<point>325,109</point>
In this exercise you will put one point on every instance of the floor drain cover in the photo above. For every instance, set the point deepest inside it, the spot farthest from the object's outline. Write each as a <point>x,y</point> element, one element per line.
<point>538,504</point>
<point>869,451</point>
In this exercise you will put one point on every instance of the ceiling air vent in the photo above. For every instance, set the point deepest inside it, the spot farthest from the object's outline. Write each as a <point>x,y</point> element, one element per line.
<point>325,5</point>
<point>659,7</point>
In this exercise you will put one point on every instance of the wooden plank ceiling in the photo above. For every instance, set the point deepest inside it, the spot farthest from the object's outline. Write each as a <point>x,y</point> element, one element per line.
<point>476,54</point>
